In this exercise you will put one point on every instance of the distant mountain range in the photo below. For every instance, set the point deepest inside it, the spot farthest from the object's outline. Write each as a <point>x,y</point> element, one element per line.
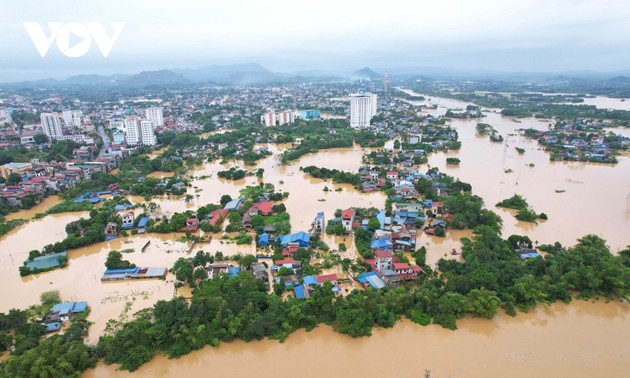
<point>254,73</point>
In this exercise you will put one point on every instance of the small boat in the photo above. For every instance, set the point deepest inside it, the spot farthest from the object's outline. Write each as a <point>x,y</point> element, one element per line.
<point>560,190</point>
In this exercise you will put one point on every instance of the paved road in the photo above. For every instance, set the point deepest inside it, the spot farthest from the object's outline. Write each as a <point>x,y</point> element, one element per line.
<point>106,141</point>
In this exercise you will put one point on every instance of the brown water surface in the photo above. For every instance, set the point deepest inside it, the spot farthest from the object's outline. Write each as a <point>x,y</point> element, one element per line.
<point>581,339</point>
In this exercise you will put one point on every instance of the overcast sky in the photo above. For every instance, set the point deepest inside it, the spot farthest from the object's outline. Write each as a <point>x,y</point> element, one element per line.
<point>293,35</point>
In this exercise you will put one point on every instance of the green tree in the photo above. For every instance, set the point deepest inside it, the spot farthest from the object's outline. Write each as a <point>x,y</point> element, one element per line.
<point>373,224</point>
<point>115,261</point>
<point>40,139</point>
<point>13,178</point>
<point>247,260</point>
<point>483,303</point>
<point>225,199</point>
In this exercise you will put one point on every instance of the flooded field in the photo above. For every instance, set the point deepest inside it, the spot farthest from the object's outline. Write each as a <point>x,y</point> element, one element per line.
<point>542,343</point>
<point>571,213</point>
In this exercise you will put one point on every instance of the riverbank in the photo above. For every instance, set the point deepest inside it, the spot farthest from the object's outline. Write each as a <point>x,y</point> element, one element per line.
<point>544,343</point>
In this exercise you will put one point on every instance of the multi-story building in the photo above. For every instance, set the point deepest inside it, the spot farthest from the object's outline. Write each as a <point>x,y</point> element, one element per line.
<point>362,109</point>
<point>72,118</point>
<point>147,133</point>
<point>132,132</point>
<point>118,136</point>
<point>277,118</point>
<point>19,168</point>
<point>156,115</point>
<point>139,132</point>
<point>117,124</point>
<point>51,124</point>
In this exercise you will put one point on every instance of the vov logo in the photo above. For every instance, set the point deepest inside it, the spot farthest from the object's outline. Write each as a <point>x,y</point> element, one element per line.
<point>84,33</point>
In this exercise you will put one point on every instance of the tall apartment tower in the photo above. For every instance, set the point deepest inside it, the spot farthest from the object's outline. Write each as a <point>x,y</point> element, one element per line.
<point>147,134</point>
<point>51,124</point>
<point>72,118</point>
<point>132,132</point>
<point>155,114</point>
<point>385,83</point>
<point>362,109</point>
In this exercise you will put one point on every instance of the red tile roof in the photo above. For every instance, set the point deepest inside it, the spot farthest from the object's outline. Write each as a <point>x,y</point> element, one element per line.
<point>326,277</point>
<point>372,263</point>
<point>288,251</point>
<point>284,261</point>
<point>347,214</point>
<point>218,216</point>
<point>383,254</point>
<point>264,207</point>
<point>400,266</point>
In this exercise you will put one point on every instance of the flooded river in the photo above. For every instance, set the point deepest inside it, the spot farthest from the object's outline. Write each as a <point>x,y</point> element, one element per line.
<point>596,197</point>
<point>542,343</point>
<point>578,340</point>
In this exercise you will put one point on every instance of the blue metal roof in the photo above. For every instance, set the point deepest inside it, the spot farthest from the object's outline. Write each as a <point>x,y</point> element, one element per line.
<point>46,261</point>
<point>376,282</point>
<point>299,291</point>
<point>52,327</point>
<point>263,239</point>
<point>122,271</point>
<point>143,222</point>
<point>310,280</point>
<point>233,271</point>
<point>301,238</point>
<point>381,243</point>
<point>63,308</point>
<point>79,306</point>
<point>364,276</point>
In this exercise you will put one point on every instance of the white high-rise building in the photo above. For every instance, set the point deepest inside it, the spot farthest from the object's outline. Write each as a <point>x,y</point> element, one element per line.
<point>147,133</point>
<point>277,118</point>
<point>51,124</point>
<point>132,131</point>
<point>155,114</point>
<point>139,132</point>
<point>362,109</point>
<point>72,118</point>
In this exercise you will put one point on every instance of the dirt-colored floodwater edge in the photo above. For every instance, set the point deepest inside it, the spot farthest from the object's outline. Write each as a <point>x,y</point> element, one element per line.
<point>581,339</point>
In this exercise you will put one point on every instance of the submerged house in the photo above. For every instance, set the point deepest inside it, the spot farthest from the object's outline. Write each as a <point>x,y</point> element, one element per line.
<point>310,282</point>
<point>347,220</point>
<point>111,231</point>
<point>263,240</point>
<point>300,239</point>
<point>62,313</point>
<point>52,260</point>
<point>319,224</point>
<point>128,220</point>
<point>142,225</point>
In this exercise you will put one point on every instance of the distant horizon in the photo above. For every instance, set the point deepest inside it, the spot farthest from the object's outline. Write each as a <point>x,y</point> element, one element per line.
<point>529,36</point>
<point>341,73</point>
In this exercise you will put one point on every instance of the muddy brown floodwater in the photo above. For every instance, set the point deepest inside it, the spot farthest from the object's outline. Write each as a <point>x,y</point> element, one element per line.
<point>577,340</point>
<point>581,339</point>
<point>596,197</point>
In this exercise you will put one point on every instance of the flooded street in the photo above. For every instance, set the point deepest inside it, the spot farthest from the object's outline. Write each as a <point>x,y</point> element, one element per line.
<point>46,204</point>
<point>542,343</point>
